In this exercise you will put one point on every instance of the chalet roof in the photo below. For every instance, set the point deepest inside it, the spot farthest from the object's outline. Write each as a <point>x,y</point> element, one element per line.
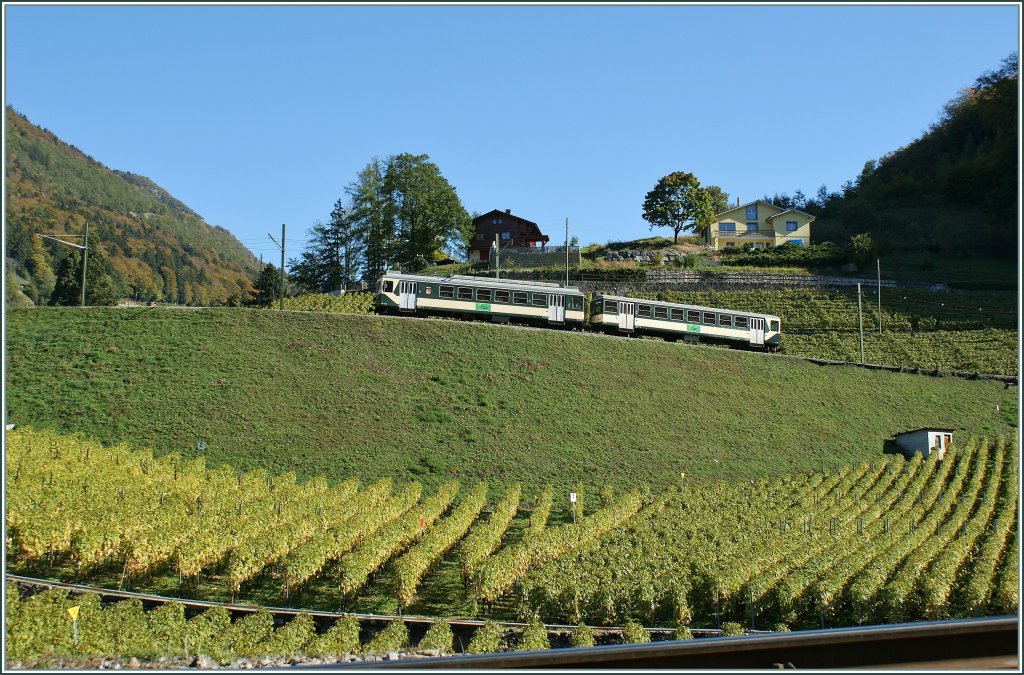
<point>743,206</point>
<point>499,212</point>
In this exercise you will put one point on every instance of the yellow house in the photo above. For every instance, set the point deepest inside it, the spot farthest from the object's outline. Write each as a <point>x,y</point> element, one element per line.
<point>759,223</point>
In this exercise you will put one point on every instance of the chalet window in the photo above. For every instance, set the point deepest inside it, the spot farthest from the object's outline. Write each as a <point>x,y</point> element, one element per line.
<point>483,294</point>
<point>790,226</point>
<point>725,319</point>
<point>661,312</point>
<point>447,291</point>
<point>519,297</point>
<point>465,293</point>
<point>499,221</point>
<point>692,316</point>
<point>752,228</point>
<point>643,311</point>
<point>708,318</point>
<point>727,227</point>
<point>741,322</point>
<point>610,307</point>
<point>479,236</point>
<point>752,212</point>
<point>501,296</point>
<point>505,236</point>
<point>676,314</point>
<point>539,299</point>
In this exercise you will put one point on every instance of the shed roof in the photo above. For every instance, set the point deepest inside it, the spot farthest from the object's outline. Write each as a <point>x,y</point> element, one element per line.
<point>914,431</point>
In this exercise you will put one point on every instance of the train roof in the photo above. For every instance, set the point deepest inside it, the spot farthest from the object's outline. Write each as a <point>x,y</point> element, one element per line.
<point>677,305</point>
<point>515,284</point>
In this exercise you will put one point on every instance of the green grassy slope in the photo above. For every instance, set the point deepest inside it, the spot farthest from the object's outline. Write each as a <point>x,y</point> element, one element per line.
<point>369,396</point>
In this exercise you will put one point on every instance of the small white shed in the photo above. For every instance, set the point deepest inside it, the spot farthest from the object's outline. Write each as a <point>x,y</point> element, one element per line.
<point>925,440</point>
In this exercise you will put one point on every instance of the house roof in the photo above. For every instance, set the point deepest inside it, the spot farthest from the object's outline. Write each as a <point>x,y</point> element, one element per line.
<point>914,431</point>
<point>782,213</point>
<point>743,206</point>
<point>485,219</point>
<point>499,212</point>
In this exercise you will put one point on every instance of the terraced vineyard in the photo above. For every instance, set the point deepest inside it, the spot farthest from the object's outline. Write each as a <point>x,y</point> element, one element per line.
<point>890,541</point>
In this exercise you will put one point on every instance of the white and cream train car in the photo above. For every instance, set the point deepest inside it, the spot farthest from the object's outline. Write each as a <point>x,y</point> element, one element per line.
<point>691,322</point>
<point>498,300</point>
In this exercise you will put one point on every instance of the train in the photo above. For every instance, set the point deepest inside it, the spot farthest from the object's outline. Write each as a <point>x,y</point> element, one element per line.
<point>558,306</point>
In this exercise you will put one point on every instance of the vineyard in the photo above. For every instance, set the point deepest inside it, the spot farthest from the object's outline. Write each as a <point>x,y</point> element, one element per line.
<point>888,541</point>
<point>973,331</point>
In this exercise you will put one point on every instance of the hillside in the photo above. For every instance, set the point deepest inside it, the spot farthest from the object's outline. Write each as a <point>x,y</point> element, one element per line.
<point>371,397</point>
<point>157,247</point>
<point>952,191</point>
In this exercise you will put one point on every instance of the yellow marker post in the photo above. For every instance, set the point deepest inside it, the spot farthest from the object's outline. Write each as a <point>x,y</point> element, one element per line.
<point>73,613</point>
<point>682,475</point>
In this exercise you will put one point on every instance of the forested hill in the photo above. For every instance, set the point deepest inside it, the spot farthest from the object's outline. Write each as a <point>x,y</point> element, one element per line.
<point>953,189</point>
<point>156,247</point>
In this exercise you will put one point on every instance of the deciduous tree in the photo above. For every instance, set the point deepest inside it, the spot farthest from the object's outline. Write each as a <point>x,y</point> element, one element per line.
<point>678,201</point>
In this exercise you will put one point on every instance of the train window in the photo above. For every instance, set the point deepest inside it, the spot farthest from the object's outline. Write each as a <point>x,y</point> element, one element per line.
<point>708,318</point>
<point>676,314</point>
<point>775,325</point>
<point>724,319</point>
<point>692,316</point>
<point>610,307</point>
<point>661,312</point>
<point>539,299</point>
<point>389,286</point>
<point>483,294</point>
<point>643,311</point>
<point>519,298</point>
<point>741,322</point>
<point>447,292</point>
<point>465,293</point>
<point>501,296</point>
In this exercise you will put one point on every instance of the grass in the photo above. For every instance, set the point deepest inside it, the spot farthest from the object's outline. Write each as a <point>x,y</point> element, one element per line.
<point>432,400</point>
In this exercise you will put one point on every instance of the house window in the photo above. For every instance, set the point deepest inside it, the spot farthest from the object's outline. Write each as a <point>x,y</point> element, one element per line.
<point>501,296</point>
<point>643,311</point>
<point>727,227</point>
<point>752,212</point>
<point>796,242</point>
<point>790,226</point>
<point>519,297</point>
<point>447,291</point>
<point>465,293</point>
<point>499,221</point>
<point>661,312</point>
<point>692,316</point>
<point>752,228</point>
<point>479,236</point>
<point>505,236</point>
<point>483,294</point>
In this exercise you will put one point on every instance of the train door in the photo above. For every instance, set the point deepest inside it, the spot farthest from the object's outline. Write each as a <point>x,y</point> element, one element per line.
<point>757,332</point>
<point>627,316</point>
<point>556,308</point>
<point>407,295</point>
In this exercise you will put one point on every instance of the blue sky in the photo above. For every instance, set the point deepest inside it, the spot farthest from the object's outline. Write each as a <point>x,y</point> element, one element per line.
<point>260,115</point>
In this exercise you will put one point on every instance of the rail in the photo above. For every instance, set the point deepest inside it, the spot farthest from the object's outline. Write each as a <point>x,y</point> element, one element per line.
<point>968,644</point>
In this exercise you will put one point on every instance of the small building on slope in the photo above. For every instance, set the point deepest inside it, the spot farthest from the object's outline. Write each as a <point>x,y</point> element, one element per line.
<point>924,441</point>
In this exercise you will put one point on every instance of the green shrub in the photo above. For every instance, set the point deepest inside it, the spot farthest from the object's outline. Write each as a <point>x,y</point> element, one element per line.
<point>248,636</point>
<point>292,638</point>
<point>207,633</point>
<point>535,636</point>
<point>41,627</point>
<point>581,636</point>
<point>732,628</point>
<point>167,627</point>
<point>781,628</point>
<point>129,627</point>
<point>486,639</point>
<point>391,639</point>
<point>439,636</point>
<point>338,640</point>
<point>682,632</point>
<point>633,632</point>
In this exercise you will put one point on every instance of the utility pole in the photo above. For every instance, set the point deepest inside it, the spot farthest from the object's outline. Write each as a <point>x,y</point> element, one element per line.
<point>878,263</point>
<point>280,246</point>
<point>85,251</point>
<point>567,252</point>
<point>860,317</point>
<point>497,260</point>
<point>85,260</point>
